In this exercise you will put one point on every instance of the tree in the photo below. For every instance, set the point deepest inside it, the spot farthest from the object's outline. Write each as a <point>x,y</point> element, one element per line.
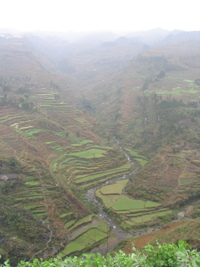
<point>145,86</point>
<point>161,74</point>
<point>13,164</point>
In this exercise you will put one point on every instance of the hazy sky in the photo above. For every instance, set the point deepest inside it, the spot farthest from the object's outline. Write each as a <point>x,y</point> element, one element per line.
<point>98,15</point>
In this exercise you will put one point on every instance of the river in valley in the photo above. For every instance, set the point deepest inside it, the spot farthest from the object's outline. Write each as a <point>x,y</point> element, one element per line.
<point>112,227</point>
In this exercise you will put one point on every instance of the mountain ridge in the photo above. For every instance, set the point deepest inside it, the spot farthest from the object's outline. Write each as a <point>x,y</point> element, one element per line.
<point>125,124</point>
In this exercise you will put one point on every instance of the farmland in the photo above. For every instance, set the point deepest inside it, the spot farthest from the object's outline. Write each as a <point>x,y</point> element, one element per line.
<point>90,231</point>
<point>107,151</point>
<point>131,212</point>
<point>51,158</point>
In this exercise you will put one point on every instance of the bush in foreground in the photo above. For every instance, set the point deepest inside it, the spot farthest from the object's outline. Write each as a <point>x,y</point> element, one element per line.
<point>167,255</point>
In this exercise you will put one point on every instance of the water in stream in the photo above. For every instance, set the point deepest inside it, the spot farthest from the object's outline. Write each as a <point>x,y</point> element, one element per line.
<point>118,232</point>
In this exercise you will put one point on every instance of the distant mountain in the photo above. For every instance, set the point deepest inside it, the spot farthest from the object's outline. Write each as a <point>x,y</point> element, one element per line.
<point>149,37</point>
<point>98,37</point>
<point>10,31</point>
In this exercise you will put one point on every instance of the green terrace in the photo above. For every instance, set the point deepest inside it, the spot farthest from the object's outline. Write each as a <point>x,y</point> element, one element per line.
<point>129,212</point>
<point>10,117</point>
<point>49,96</point>
<point>52,102</point>
<point>27,131</point>
<point>69,116</point>
<point>145,218</point>
<point>78,223</point>
<point>84,242</point>
<point>111,173</point>
<point>141,160</point>
<point>85,163</point>
<point>29,197</point>
<point>83,142</point>
<point>89,153</point>
<point>85,233</point>
<point>123,203</point>
<point>187,87</point>
<point>114,189</point>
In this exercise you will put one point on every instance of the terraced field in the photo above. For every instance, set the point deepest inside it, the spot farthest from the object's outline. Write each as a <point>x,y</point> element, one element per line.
<point>141,160</point>
<point>72,120</point>
<point>77,161</point>
<point>58,155</point>
<point>185,88</point>
<point>31,194</point>
<point>87,164</point>
<point>85,233</point>
<point>54,157</point>
<point>129,211</point>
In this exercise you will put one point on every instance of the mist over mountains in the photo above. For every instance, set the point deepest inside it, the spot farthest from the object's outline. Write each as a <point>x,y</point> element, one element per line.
<point>99,140</point>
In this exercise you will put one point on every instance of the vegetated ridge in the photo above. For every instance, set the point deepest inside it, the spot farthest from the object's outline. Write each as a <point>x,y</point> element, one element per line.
<point>59,126</point>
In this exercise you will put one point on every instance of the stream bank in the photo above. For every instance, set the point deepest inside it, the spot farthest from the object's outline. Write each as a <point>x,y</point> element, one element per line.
<point>102,215</point>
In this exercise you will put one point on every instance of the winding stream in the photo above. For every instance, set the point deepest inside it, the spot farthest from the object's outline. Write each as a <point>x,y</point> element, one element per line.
<point>90,196</point>
<point>119,233</point>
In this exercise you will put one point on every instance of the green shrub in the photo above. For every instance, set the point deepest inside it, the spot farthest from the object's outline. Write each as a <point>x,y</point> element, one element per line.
<point>166,255</point>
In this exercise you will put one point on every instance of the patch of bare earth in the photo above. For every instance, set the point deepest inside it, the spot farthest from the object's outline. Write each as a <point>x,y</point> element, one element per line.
<point>144,240</point>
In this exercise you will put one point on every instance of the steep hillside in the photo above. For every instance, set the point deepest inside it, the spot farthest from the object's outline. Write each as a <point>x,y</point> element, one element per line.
<point>87,62</point>
<point>50,153</point>
<point>152,107</point>
<point>96,142</point>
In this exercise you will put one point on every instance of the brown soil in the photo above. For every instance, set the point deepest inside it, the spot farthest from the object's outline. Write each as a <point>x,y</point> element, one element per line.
<point>142,241</point>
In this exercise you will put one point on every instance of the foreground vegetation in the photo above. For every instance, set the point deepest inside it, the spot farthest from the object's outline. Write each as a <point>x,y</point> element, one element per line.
<point>170,255</point>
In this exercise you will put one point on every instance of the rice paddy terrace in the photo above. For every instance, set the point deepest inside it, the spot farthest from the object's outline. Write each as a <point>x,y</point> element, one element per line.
<point>50,160</point>
<point>129,211</point>
<point>66,185</point>
<point>53,150</point>
<point>56,166</point>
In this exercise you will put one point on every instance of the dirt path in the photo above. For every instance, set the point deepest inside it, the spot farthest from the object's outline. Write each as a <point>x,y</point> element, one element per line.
<point>143,240</point>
